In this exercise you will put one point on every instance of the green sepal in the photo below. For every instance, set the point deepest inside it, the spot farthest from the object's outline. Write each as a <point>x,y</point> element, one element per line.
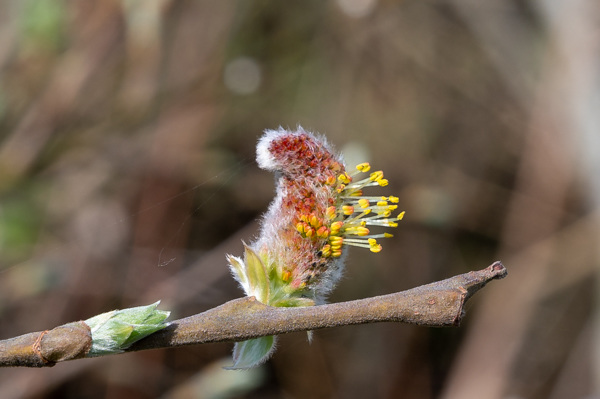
<point>292,302</point>
<point>253,352</point>
<point>256,275</point>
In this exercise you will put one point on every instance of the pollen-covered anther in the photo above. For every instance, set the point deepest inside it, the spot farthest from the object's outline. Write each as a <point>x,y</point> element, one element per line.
<point>401,215</point>
<point>363,167</point>
<point>286,276</point>
<point>363,203</point>
<point>347,210</point>
<point>336,240</point>
<point>336,226</point>
<point>315,222</point>
<point>362,231</point>
<point>375,248</point>
<point>330,212</point>
<point>323,232</point>
<point>376,176</point>
<point>344,178</point>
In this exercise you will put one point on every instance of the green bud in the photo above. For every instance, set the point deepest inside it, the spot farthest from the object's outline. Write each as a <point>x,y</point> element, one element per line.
<point>115,331</point>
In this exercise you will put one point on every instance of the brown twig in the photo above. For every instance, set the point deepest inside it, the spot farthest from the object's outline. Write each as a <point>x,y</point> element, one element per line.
<point>437,304</point>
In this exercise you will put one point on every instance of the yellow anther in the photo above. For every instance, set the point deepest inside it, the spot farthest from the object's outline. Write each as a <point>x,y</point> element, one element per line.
<point>341,188</point>
<point>309,232</point>
<point>300,227</point>
<point>336,254</point>
<point>348,210</point>
<point>394,199</point>
<point>392,224</point>
<point>376,176</point>
<point>323,232</point>
<point>363,167</point>
<point>336,226</point>
<point>362,231</point>
<point>286,276</point>
<point>382,203</point>
<point>330,181</point>
<point>383,182</point>
<point>344,178</point>
<point>336,240</point>
<point>388,235</point>
<point>356,193</point>
<point>330,212</point>
<point>315,222</point>
<point>326,251</point>
<point>376,248</point>
<point>363,202</point>
<point>401,215</point>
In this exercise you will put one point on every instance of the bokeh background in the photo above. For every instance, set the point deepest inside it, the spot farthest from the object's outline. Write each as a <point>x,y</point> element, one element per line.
<point>127,139</point>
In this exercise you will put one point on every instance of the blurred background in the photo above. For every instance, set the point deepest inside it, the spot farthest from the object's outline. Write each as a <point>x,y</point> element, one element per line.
<point>127,172</point>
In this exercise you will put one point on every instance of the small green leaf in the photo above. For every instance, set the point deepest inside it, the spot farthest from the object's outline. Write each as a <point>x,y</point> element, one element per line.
<point>256,272</point>
<point>253,352</point>
<point>238,269</point>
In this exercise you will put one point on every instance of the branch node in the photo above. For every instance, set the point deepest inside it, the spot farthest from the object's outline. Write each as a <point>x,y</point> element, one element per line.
<point>37,349</point>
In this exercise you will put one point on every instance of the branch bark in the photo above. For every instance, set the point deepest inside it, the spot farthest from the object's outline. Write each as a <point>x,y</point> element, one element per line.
<point>437,304</point>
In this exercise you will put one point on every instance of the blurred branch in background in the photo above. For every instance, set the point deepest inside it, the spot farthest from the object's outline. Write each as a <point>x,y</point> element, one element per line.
<point>127,130</point>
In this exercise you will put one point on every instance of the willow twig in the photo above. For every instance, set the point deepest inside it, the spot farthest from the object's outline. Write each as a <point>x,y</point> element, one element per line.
<point>437,304</point>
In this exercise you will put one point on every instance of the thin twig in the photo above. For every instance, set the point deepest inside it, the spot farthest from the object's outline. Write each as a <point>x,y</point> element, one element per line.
<point>437,304</point>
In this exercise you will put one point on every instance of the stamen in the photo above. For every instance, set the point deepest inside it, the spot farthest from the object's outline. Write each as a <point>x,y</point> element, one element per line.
<point>363,167</point>
<point>376,176</point>
<point>348,210</point>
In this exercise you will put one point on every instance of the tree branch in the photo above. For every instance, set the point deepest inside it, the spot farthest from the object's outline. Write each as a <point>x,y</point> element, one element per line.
<point>437,304</point>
